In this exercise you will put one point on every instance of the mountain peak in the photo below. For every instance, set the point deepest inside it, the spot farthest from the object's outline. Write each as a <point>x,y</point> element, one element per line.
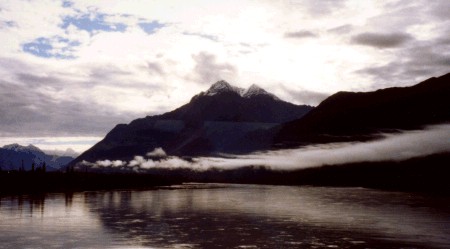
<point>32,147</point>
<point>14,146</point>
<point>255,90</point>
<point>223,86</point>
<point>18,147</point>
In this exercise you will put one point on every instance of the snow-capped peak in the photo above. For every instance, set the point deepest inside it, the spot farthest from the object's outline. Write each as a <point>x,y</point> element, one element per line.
<point>12,146</point>
<point>18,147</point>
<point>255,90</point>
<point>223,86</point>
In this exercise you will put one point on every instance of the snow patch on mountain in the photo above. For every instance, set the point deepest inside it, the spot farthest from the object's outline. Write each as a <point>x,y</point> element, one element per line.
<point>14,156</point>
<point>255,90</point>
<point>223,86</point>
<point>19,148</point>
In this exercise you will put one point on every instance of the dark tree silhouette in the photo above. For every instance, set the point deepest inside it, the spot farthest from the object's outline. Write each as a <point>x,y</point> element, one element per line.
<point>44,167</point>
<point>32,167</point>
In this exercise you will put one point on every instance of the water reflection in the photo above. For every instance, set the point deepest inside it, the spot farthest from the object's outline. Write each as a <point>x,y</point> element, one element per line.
<point>264,216</point>
<point>227,216</point>
<point>49,221</point>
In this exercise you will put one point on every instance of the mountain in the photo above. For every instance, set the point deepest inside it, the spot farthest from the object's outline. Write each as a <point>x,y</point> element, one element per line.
<point>12,156</point>
<point>347,116</point>
<point>220,120</point>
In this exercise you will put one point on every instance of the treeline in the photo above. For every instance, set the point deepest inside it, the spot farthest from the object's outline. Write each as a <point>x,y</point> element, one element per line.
<point>34,168</point>
<point>424,174</point>
<point>17,182</point>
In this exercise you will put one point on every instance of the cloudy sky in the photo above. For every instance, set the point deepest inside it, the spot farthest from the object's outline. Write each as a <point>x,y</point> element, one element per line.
<point>71,70</point>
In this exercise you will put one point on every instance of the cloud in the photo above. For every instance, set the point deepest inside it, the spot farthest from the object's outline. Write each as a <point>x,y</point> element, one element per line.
<point>300,34</point>
<point>396,147</point>
<point>68,152</point>
<point>40,111</point>
<point>202,35</point>
<point>306,96</point>
<point>421,58</point>
<point>96,64</point>
<point>155,68</point>
<point>342,29</point>
<point>157,152</point>
<point>57,145</point>
<point>108,163</point>
<point>382,40</point>
<point>319,8</point>
<point>208,70</point>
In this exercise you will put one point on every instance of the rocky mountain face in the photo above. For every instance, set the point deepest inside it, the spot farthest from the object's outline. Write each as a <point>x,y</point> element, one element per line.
<point>13,156</point>
<point>223,119</point>
<point>349,116</point>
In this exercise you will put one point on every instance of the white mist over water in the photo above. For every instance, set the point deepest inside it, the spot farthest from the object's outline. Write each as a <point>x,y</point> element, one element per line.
<point>397,147</point>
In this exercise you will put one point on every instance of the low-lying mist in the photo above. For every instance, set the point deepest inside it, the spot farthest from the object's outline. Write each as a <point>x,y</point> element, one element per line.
<point>392,147</point>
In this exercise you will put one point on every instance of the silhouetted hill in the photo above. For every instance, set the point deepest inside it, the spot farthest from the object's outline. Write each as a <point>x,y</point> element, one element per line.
<point>347,116</point>
<point>220,120</point>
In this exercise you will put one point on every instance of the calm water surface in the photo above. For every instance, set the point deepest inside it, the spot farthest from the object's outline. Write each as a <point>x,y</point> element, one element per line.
<point>226,216</point>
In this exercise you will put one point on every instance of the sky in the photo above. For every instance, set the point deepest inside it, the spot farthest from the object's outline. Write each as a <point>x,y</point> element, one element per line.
<point>71,70</point>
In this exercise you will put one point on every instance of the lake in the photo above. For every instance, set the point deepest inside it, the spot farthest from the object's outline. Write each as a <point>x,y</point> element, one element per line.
<point>226,216</point>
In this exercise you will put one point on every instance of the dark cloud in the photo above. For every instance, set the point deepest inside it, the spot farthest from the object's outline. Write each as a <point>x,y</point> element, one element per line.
<point>105,73</point>
<point>203,35</point>
<point>27,111</point>
<point>322,7</point>
<point>305,96</point>
<point>38,81</point>
<point>413,60</point>
<point>300,34</point>
<point>420,60</point>
<point>155,68</point>
<point>440,9</point>
<point>7,24</point>
<point>343,29</point>
<point>382,40</point>
<point>36,104</point>
<point>208,70</point>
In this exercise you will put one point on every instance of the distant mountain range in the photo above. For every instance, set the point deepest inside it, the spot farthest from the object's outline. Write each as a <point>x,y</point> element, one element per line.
<point>220,120</point>
<point>228,119</point>
<point>349,116</point>
<point>12,156</point>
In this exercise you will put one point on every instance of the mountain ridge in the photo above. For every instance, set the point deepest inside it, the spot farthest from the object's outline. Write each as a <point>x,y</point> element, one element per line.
<point>211,125</point>
<point>222,86</point>
<point>219,120</point>
<point>13,155</point>
<point>361,115</point>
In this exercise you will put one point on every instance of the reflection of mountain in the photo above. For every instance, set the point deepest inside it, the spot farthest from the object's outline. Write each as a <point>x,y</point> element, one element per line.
<point>11,157</point>
<point>267,217</point>
<point>347,116</point>
<point>220,120</point>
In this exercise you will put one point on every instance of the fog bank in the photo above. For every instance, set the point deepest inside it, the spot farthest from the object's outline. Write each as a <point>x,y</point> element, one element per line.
<point>392,147</point>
